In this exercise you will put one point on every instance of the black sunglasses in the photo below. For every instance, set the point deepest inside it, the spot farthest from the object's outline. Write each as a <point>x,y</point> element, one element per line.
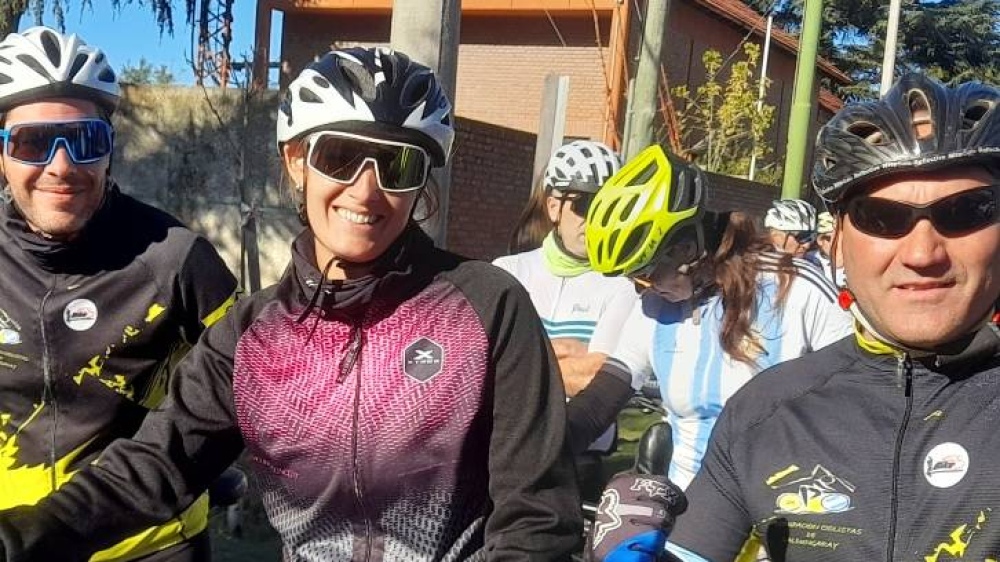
<point>579,202</point>
<point>803,236</point>
<point>953,215</point>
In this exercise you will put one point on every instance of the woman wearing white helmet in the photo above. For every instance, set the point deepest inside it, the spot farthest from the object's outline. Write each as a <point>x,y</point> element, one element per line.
<point>583,311</point>
<point>791,225</point>
<point>398,402</point>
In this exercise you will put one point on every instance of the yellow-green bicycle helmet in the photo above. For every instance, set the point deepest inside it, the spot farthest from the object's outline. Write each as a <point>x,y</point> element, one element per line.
<point>651,198</point>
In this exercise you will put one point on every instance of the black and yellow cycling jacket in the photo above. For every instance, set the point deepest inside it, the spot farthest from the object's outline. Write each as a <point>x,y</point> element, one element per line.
<point>864,453</point>
<point>88,331</point>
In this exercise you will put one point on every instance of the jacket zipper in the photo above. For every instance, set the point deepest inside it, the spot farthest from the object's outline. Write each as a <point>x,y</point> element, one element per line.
<point>904,379</point>
<point>48,390</point>
<point>346,366</point>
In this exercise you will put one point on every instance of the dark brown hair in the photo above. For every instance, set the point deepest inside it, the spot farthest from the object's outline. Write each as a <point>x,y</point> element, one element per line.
<point>735,267</point>
<point>532,226</point>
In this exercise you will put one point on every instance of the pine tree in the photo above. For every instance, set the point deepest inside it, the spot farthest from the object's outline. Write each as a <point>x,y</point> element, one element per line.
<point>11,12</point>
<point>953,40</point>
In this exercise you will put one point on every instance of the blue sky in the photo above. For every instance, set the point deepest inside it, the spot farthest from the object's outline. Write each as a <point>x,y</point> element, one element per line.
<point>132,33</point>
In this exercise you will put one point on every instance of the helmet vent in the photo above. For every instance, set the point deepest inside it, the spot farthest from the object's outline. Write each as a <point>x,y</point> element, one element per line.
<point>4,60</point>
<point>51,46</point>
<point>975,113</point>
<point>415,91</point>
<point>307,95</point>
<point>683,198</point>
<point>634,241</point>
<point>107,75</point>
<point>627,209</point>
<point>4,79</point>
<point>645,175</point>
<point>868,132</point>
<point>31,63</point>
<point>320,81</point>
<point>78,63</point>
<point>920,115</point>
<point>361,78</point>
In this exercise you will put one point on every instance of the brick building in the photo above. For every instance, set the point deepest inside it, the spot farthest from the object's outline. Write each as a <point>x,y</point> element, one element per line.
<point>509,46</point>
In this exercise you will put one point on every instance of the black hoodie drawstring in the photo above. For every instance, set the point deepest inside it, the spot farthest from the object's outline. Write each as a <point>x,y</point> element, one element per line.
<point>314,299</point>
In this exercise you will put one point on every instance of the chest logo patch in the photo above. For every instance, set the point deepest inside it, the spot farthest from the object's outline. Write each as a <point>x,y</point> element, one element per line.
<point>817,492</point>
<point>80,314</point>
<point>10,330</point>
<point>423,359</point>
<point>946,465</point>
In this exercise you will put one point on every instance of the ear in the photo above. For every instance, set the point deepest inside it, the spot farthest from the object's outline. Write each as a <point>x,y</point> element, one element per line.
<point>552,208</point>
<point>294,156</point>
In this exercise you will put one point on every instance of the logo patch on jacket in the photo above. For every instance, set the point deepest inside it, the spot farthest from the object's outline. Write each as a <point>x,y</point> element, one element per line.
<point>946,465</point>
<point>80,314</point>
<point>819,492</point>
<point>423,359</point>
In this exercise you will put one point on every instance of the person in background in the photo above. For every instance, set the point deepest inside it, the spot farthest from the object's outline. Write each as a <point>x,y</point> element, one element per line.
<point>826,227</point>
<point>583,312</point>
<point>398,402</point>
<point>719,306</point>
<point>791,226</point>
<point>102,294</point>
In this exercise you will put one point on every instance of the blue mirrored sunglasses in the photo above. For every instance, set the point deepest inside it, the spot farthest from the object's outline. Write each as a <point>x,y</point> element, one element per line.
<point>86,141</point>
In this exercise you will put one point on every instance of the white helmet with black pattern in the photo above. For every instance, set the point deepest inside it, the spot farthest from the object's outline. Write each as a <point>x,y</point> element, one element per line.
<point>42,63</point>
<point>791,215</point>
<point>581,165</point>
<point>376,92</point>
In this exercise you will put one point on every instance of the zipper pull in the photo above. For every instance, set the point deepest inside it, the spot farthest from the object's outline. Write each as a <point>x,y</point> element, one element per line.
<point>904,371</point>
<point>351,356</point>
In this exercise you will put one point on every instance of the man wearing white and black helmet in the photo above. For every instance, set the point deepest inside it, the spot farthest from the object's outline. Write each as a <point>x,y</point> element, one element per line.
<point>791,224</point>
<point>398,403</point>
<point>583,311</point>
<point>883,446</point>
<point>101,293</point>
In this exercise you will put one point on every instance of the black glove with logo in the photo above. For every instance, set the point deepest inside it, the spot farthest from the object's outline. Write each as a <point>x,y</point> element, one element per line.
<point>634,518</point>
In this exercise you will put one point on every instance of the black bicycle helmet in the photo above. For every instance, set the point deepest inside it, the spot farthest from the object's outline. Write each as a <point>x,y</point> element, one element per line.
<point>376,91</point>
<point>919,124</point>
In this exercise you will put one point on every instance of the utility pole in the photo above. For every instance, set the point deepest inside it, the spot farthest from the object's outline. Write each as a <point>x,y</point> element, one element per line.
<point>645,101</point>
<point>762,89</point>
<point>889,56</point>
<point>802,96</point>
<point>551,123</point>
<point>428,32</point>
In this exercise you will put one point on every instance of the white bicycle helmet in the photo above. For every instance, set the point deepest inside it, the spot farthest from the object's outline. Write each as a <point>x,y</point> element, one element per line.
<point>581,165</point>
<point>791,215</point>
<point>378,92</point>
<point>43,63</point>
<point>825,223</point>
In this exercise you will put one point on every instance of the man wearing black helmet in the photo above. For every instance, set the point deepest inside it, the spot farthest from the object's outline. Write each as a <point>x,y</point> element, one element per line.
<point>101,293</point>
<point>882,446</point>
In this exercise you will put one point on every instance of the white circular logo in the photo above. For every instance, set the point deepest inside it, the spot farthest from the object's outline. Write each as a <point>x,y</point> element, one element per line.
<point>80,314</point>
<point>946,465</point>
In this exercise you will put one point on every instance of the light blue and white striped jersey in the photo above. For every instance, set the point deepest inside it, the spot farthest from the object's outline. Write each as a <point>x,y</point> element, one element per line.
<point>679,344</point>
<point>589,307</point>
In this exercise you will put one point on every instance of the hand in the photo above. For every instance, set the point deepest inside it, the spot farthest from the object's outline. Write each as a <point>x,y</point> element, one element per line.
<point>568,347</point>
<point>634,518</point>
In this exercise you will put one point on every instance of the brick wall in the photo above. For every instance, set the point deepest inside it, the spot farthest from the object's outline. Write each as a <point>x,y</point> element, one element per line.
<point>502,62</point>
<point>490,183</point>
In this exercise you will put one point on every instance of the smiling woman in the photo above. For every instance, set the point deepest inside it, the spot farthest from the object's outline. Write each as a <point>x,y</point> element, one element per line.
<point>399,402</point>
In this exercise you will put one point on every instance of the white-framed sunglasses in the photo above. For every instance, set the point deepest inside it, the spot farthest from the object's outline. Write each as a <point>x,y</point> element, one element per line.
<point>340,157</point>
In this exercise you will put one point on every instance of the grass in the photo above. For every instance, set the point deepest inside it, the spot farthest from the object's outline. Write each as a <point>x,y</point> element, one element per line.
<point>260,543</point>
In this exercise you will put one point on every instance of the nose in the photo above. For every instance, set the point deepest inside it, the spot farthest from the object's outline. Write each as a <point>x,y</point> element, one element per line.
<point>61,162</point>
<point>923,248</point>
<point>365,186</point>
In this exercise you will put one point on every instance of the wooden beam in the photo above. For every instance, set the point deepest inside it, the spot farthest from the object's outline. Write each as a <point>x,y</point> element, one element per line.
<point>262,44</point>
<point>468,6</point>
<point>618,57</point>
